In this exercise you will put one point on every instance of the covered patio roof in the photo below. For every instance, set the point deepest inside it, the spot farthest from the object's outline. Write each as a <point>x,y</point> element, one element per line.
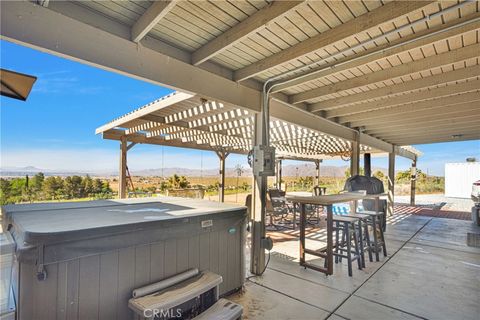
<point>189,121</point>
<point>379,73</point>
<point>402,72</point>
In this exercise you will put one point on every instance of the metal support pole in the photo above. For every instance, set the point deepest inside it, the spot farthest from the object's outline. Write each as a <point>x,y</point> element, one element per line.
<point>279,174</point>
<point>367,164</point>
<point>391,182</point>
<point>222,155</point>
<point>355,157</point>
<point>317,170</point>
<point>413,181</point>
<point>259,200</point>
<point>122,175</point>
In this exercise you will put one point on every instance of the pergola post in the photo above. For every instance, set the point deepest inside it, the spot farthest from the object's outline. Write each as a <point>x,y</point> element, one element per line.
<point>317,171</point>
<point>276,183</point>
<point>367,164</point>
<point>391,182</point>
<point>278,174</point>
<point>122,174</point>
<point>222,155</point>
<point>355,157</point>
<point>259,201</point>
<point>413,181</point>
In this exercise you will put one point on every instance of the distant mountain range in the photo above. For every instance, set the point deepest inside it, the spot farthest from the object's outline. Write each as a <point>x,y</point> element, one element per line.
<point>301,170</point>
<point>30,170</point>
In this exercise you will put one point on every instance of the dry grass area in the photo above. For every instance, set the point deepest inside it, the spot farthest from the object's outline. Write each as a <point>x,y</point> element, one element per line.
<point>333,185</point>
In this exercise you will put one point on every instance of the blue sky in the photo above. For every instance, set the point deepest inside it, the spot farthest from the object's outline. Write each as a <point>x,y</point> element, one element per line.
<point>55,128</point>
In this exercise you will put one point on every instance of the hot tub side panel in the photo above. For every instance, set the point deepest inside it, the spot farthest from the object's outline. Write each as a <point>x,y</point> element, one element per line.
<point>98,286</point>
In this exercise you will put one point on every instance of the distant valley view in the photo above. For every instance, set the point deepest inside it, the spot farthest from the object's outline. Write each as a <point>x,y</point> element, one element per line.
<point>31,184</point>
<point>307,169</point>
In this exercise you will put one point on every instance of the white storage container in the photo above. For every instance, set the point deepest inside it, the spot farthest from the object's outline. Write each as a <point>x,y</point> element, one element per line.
<point>459,178</point>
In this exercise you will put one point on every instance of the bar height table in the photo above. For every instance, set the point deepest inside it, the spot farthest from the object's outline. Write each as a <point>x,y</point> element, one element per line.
<point>327,201</point>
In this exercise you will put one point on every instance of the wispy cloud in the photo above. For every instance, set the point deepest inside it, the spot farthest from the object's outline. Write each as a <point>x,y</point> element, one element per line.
<point>58,82</point>
<point>49,140</point>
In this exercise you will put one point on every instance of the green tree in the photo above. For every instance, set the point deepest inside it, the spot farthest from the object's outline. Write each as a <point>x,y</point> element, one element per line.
<point>163,186</point>
<point>403,176</point>
<point>379,175</point>
<point>37,182</point>
<point>97,186</point>
<point>106,187</point>
<point>18,185</point>
<point>173,182</point>
<point>184,183</point>
<point>73,187</point>
<point>88,186</point>
<point>177,182</point>
<point>5,191</point>
<point>53,187</point>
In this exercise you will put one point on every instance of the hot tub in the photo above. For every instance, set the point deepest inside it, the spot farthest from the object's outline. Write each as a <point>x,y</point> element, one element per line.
<point>82,260</point>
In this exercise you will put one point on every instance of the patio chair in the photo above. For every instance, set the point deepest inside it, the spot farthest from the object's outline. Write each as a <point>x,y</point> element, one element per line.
<point>277,209</point>
<point>319,191</point>
<point>276,193</point>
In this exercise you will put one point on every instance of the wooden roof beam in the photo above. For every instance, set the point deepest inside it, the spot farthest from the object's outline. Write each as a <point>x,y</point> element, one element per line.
<point>456,75</point>
<point>151,17</point>
<point>464,114</point>
<point>447,113</point>
<point>114,134</point>
<point>471,129</point>
<point>364,22</point>
<point>432,107</point>
<point>147,126</point>
<point>446,58</point>
<point>434,93</point>
<point>428,125</point>
<point>169,130</point>
<point>437,138</point>
<point>237,33</point>
<point>468,127</point>
<point>419,39</point>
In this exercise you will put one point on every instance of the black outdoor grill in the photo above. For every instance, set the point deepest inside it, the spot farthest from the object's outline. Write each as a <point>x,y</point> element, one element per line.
<point>371,185</point>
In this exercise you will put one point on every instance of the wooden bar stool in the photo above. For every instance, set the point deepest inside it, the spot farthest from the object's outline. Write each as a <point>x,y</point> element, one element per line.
<point>363,235</point>
<point>376,220</point>
<point>343,246</point>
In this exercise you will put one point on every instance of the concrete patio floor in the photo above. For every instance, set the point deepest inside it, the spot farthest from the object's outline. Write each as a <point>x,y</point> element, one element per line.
<point>430,273</point>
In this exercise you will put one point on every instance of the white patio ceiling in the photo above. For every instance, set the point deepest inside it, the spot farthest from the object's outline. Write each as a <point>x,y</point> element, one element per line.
<point>185,120</point>
<point>401,73</point>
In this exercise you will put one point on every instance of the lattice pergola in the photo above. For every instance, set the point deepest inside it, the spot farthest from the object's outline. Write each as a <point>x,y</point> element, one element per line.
<point>185,120</point>
<point>190,121</point>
